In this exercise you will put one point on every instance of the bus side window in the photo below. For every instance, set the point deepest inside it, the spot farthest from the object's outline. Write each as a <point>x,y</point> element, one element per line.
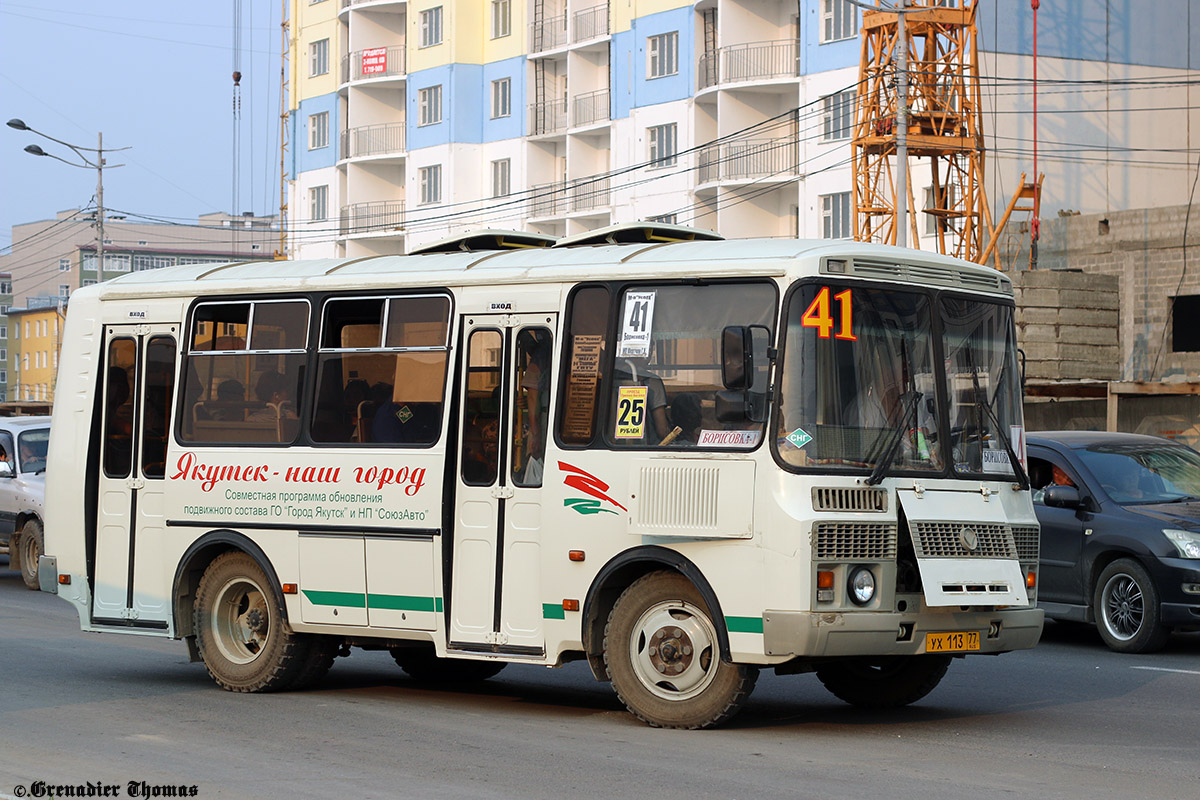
<point>587,329</point>
<point>118,408</point>
<point>531,405</point>
<point>156,408</point>
<point>481,417</point>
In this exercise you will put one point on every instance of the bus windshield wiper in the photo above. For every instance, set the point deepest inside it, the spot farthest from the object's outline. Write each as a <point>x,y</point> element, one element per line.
<point>909,402</point>
<point>1014,462</point>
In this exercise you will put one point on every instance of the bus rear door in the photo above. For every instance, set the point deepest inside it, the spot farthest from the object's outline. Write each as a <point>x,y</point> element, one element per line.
<point>130,588</point>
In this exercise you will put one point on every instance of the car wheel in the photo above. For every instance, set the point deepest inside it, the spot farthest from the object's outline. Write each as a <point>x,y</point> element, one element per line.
<point>1127,610</point>
<point>30,545</point>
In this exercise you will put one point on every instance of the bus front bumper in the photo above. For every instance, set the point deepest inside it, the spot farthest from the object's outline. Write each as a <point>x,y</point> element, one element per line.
<point>803,633</point>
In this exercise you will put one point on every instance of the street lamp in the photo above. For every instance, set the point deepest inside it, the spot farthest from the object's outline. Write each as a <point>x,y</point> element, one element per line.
<point>96,162</point>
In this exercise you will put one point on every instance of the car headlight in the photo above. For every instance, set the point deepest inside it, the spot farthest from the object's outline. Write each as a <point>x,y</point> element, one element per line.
<point>862,586</point>
<point>1186,542</point>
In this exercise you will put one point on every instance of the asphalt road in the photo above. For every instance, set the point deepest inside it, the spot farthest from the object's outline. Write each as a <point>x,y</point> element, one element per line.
<point>1068,719</point>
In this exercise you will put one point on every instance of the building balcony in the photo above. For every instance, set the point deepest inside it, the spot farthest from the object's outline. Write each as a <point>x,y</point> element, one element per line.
<point>348,4</point>
<point>374,63</point>
<point>590,23</point>
<point>589,108</point>
<point>548,200</point>
<point>377,141</point>
<point>547,118</point>
<point>381,218</point>
<point>590,194</point>
<point>548,34</point>
<point>750,160</point>
<point>755,61</point>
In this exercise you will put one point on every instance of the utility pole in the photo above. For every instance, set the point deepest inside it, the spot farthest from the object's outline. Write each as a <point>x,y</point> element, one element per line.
<point>901,128</point>
<point>98,164</point>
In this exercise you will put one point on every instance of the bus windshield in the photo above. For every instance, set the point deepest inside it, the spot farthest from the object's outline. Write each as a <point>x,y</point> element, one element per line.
<point>857,376</point>
<point>860,382</point>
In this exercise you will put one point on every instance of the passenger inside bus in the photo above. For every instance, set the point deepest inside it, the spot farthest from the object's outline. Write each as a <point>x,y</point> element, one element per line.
<point>272,389</point>
<point>687,415</point>
<point>635,371</point>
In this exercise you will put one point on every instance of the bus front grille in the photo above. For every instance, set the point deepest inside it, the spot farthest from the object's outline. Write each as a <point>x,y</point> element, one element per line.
<point>854,541</point>
<point>962,540</point>
<point>1027,539</point>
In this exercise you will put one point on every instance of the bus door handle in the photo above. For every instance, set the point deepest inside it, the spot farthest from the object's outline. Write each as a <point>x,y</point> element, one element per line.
<point>502,492</point>
<point>135,483</point>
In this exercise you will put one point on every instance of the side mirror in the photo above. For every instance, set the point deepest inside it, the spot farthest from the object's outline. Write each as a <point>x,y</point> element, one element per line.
<point>737,357</point>
<point>6,469</point>
<point>1062,497</point>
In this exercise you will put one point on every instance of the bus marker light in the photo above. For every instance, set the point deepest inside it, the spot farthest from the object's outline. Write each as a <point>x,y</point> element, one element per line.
<point>570,605</point>
<point>1030,579</point>
<point>65,580</point>
<point>576,555</point>
<point>290,588</point>
<point>825,579</point>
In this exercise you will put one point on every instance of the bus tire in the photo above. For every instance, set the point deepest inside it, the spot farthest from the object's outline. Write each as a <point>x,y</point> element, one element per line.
<point>30,545</point>
<point>322,650</point>
<point>886,682</point>
<point>423,665</point>
<point>662,653</point>
<point>240,629</point>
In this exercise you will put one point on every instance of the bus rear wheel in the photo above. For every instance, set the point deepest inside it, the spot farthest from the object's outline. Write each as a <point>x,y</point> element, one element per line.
<point>663,655</point>
<point>243,638</point>
<point>887,682</point>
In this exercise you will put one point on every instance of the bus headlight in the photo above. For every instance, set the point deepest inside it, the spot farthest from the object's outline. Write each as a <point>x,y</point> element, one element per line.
<point>862,586</point>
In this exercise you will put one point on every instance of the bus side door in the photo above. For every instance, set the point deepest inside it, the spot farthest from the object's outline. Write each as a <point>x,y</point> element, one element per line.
<point>131,586</point>
<point>506,380</point>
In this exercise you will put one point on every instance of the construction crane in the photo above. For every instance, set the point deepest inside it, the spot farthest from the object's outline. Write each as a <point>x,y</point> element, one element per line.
<point>918,98</point>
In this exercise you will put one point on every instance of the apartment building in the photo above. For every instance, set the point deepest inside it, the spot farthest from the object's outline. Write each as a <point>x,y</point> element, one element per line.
<point>49,259</point>
<point>415,119</point>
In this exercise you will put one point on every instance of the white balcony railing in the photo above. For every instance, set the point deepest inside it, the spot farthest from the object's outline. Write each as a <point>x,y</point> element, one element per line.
<point>374,62</point>
<point>748,160</point>
<point>548,33</point>
<point>590,194</point>
<point>548,117</point>
<point>548,199</point>
<point>589,108</point>
<point>373,140</point>
<point>590,23</point>
<point>375,217</point>
<point>755,61</point>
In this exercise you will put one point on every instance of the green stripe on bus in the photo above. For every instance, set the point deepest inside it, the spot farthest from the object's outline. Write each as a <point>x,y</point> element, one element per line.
<point>744,624</point>
<point>553,611</point>
<point>399,602</point>
<point>390,602</point>
<point>349,599</point>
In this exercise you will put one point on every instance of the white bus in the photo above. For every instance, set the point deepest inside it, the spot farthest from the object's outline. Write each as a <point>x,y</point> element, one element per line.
<point>680,458</point>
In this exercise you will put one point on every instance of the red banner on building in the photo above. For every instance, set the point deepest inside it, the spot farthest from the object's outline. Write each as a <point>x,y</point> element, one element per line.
<point>374,61</point>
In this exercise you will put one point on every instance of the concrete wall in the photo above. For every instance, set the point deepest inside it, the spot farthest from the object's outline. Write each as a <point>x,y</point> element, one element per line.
<point>1142,251</point>
<point>1067,324</point>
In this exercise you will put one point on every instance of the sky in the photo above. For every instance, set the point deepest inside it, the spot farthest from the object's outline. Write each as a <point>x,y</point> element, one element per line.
<point>154,76</point>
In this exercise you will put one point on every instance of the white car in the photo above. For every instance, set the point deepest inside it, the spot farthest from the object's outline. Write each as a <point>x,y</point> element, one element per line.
<point>23,442</point>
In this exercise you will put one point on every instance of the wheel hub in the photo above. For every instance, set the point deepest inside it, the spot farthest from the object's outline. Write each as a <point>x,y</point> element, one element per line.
<point>671,650</point>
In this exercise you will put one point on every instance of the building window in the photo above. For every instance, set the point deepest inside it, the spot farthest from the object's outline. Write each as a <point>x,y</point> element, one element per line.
<point>501,170</point>
<point>318,130</point>
<point>835,215</point>
<point>4,312</point>
<point>318,58</point>
<point>838,116</point>
<point>431,26</point>
<point>429,103</point>
<point>1185,334</point>
<point>662,145</point>
<point>3,376</point>
<point>501,18</point>
<point>501,98</point>
<point>89,282</point>
<point>152,262</point>
<point>839,20</point>
<point>3,354</point>
<point>64,265</point>
<point>117,263</point>
<point>64,290</point>
<point>4,331</point>
<point>431,184</point>
<point>5,286</point>
<point>318,203</point>
<point>663,52</point>
<point>665,219</point>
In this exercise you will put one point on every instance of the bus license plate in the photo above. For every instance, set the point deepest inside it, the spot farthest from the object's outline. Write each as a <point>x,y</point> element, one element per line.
<point>958,642</point>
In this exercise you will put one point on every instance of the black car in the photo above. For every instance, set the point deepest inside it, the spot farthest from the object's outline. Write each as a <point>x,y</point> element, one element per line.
<point>1120,517</point>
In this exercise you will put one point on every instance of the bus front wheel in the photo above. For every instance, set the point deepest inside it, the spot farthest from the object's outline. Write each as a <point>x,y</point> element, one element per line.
<point>887,682</point>
<point>241,633</point>
<point>663,655</point>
